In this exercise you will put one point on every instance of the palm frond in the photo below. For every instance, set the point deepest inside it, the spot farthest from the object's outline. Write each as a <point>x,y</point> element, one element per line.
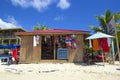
<point>117,16</point>
<point>102,22</point>
<point>96,29</point>
<point>108,16</point>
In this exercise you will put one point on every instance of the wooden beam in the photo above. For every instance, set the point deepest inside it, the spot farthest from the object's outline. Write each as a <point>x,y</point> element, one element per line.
<point>54,47</point>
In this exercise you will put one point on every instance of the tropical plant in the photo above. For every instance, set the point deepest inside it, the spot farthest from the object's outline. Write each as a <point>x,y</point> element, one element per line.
<point>104,20</point>
<point>40,27</point>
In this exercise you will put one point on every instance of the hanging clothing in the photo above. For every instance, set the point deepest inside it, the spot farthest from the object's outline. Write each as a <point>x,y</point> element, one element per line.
<point>104,44</point>
<point>109,41</point>
<point>95,44</point>
<point>73,43</point>
<point>113,51</point>
<point>90,43</point>
<point>14,52</point>
<point>68,41</point>
<point>37,39</point>
<point>34,41</point>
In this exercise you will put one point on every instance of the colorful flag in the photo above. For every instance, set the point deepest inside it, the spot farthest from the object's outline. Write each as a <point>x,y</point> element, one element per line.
<point>110,26</point>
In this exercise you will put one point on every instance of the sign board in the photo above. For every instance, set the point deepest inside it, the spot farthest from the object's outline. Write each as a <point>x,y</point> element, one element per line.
<point>62,53</point>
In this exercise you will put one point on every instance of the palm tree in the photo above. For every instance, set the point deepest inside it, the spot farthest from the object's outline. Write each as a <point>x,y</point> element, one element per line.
<point>104,20</point>
<point>40,27</point>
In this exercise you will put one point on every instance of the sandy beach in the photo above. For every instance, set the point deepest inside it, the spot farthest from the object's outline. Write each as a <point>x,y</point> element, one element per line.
<point>60,71</point>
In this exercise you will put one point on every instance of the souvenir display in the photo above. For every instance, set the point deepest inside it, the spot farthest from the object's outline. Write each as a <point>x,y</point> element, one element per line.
<point>73,41</point>
<point>68,41</point>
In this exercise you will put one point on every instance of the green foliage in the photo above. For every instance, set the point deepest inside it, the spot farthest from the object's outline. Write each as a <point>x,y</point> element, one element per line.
<point>118,27</point>
<point>117,16</point>
<point>104,20</point>
<point>0,34</point>
<point>118,34</point>
<point>108,16</point>
<point>36,28</point>
<point>96,29</point>
<point>40,27</point>
<point>4,44</point>
<point>89,49</point>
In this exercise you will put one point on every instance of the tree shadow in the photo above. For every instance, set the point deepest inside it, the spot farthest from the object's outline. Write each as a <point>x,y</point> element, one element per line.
<point>118,69</point>
<point>86,64</point>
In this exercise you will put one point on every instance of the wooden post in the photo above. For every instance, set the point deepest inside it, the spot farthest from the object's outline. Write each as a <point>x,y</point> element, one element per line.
<point>118,47</point>
<point>54,47</point>
<point>118,50</point>
<point>10,41</point>
<point>103,59</point>
<point>40,44</point>
<point>2,41</point>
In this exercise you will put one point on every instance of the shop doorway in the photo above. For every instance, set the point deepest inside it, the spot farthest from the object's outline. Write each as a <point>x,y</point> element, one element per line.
<point>47,51</point>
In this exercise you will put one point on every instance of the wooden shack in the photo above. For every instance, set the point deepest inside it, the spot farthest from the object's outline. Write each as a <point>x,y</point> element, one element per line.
<point>54,45</point>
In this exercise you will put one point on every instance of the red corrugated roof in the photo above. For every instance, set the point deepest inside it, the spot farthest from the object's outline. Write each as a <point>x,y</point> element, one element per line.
<point>51,31</point>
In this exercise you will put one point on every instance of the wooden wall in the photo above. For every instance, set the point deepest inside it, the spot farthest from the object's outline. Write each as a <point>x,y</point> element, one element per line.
<point>76,55</point>
<point>28,53</point>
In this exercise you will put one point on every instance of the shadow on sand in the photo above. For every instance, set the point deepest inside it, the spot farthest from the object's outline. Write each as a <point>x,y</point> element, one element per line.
<point>85,64</point>
<point>118,69</point>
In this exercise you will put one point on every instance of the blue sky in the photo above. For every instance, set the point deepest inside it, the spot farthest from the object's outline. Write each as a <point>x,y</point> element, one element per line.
<point>60,14</point>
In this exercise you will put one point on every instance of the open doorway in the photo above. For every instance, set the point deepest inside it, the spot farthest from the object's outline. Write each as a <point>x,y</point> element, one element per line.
<point>47,52</point>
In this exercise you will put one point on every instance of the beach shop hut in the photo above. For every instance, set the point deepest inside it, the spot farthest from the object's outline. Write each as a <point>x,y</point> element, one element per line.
<point>54,45</point>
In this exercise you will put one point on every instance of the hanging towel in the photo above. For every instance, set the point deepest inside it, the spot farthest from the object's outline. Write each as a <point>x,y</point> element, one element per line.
<point>14,52</point>
<point>90,43</point>
<point>95,45</point>
<point>113,51</point>
<point>34,41</point>
<point>104,44</point>
<point>109,41</point>
<point>37,39</point>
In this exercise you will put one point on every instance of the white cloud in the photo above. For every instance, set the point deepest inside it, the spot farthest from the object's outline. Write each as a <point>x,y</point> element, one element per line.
<point>63,4</point>
<point>12,20</point>
<point>22,3</point>
<point>40,5</point>
<point>6,25</point>
<point>58,18</point>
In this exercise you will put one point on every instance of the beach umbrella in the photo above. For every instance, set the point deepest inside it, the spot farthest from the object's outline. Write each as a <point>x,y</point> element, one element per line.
<point>97,36</point>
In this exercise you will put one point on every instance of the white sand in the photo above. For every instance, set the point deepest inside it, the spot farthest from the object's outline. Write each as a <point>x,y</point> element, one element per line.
<point>57,71</point>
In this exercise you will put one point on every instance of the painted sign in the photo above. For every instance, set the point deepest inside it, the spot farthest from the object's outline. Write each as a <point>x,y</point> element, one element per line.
<point>62,53</point>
